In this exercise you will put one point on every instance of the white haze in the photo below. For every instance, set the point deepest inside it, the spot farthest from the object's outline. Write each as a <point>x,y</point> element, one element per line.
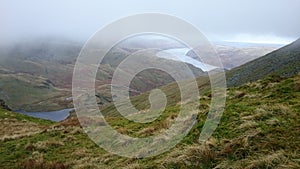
<point>217,19</point>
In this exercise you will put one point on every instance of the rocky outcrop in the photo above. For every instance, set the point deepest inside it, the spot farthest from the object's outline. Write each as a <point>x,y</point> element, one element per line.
<point>3,105</point>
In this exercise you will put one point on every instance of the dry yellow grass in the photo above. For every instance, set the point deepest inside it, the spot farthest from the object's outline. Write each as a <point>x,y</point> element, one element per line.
<point>14,129</point>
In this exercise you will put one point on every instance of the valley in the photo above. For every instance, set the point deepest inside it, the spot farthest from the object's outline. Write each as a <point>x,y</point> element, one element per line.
<point>149,84</point>
<point>36,75</point>
<point>259,127</point>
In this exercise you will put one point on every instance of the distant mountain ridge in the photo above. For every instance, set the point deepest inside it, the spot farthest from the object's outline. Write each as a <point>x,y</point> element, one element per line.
<point>284,62</point>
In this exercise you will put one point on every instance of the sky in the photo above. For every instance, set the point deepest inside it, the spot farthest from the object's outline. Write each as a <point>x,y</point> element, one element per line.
<point>262,21</point>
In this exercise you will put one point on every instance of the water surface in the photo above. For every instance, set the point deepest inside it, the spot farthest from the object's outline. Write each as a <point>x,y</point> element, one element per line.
<point>58,115</point>
<point>180,54</point>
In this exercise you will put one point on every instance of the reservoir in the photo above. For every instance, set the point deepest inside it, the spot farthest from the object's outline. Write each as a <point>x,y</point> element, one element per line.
<point>58,115</point>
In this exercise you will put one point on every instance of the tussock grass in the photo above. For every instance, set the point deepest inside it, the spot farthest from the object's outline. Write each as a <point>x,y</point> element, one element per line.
<point>261,131</point>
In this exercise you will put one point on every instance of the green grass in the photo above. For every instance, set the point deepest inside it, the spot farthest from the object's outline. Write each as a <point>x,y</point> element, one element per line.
<point>31,93</point>
<point>260,128</point>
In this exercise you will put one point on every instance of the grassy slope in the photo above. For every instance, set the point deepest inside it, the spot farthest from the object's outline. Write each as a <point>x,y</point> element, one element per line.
<point>284,62</point>
<point>36,75</point>
<point>260,128</point>
<point>31,93</point>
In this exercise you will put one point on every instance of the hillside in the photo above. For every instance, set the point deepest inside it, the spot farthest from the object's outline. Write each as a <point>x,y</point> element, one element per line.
<point>36,74</point>
<point>234,55</point>
<point>259,129</point>
<point>284,62</point>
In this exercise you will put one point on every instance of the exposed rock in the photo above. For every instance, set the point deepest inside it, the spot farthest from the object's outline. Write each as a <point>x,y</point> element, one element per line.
<point>4,105</point>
